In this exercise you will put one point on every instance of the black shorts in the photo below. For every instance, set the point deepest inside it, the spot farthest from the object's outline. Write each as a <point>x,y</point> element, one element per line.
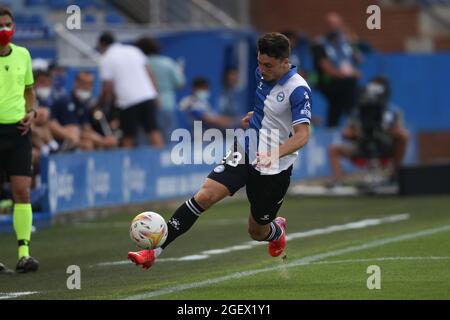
<point>264,192</point>
<point>144,113</point>
<point>15,151</point>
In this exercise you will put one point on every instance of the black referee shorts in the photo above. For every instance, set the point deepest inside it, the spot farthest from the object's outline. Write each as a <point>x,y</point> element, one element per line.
<point>264,192</point>
<point>142,114</point>
<point>15,151</point>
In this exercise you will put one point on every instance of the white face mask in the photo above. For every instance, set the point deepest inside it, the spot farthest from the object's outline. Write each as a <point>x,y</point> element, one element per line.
<point>202,94</point>
<point>83,95</point>
<point>43,92</point>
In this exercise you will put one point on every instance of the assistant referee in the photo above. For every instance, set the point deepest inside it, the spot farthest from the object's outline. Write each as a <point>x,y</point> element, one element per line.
<point>17,102</point>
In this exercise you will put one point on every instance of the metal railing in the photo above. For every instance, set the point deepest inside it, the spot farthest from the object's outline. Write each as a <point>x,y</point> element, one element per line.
<point>167,14</point>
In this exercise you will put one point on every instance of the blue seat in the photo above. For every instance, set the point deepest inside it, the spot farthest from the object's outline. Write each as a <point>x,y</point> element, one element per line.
<point>6,3</point>
<point>58,4</point>
<point>83,4</point>
<point>90,18</point>
<point>36,2</point>
<point>114,18</point>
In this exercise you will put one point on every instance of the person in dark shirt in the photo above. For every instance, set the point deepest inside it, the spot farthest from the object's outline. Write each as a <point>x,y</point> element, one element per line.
<point>336,63</point>
<point>70,118</point>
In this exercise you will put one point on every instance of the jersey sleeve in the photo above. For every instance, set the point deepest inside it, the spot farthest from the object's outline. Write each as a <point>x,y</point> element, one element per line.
<point>29,72</point>
<point>301,105</point>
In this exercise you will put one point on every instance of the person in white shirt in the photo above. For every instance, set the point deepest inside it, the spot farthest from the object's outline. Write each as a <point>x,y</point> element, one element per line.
<point>124,72</point>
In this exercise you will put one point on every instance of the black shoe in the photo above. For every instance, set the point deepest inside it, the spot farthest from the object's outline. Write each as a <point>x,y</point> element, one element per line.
<point>27,264</point>
<point>5,270</point>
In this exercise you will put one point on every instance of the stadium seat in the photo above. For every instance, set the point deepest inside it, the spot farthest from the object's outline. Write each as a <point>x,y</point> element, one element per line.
<point>114,18</point>
<point>5,3</point>
<point>36,2</point>
<point>84,4</point>
<point>58,4</point>
<point>90,18</point>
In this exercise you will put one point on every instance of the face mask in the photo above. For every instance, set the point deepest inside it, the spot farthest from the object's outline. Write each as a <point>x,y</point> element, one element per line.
<point>83,95</point>
<point>43,93</point>
<point>202,94</point>
<point>6,35</point>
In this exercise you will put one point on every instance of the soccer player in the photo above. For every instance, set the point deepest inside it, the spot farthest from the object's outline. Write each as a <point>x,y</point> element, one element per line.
<point>17,112</point>
<point>282,104</point>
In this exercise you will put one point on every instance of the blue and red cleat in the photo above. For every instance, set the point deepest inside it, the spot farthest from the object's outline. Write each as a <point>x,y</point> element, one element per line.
<point>144,258</point>
<point>276,247</point>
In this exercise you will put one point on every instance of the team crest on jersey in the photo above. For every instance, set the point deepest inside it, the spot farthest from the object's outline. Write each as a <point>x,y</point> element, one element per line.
<point>219,168</point>
<point>260,85</point>
<point>280,96</point>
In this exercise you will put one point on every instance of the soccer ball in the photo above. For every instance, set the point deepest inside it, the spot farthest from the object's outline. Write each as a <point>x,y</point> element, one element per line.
<point>148,230</point>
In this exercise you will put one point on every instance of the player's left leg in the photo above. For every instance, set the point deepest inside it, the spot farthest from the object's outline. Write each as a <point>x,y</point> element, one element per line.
<point>273,232</point>
<point>266,194</point>
<point>22,221</point>
<point>19,169</point>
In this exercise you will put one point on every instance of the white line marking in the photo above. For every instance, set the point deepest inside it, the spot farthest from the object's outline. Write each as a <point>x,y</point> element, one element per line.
<point>380,260</point>
<point>290,236</point>
<point>12,295</point>
<point>303,261</point>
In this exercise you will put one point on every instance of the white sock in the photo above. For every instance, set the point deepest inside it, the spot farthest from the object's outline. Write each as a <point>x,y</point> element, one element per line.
<point>158,251</point>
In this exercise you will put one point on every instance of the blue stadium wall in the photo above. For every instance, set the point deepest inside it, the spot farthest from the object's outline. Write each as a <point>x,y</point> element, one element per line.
<point>98,179</point>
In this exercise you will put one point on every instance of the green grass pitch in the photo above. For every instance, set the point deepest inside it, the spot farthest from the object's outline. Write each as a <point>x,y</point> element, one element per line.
<point>322,262</point>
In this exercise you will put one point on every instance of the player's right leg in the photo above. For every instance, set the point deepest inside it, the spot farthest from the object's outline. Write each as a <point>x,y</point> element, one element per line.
<point>224,180</point>
<point>183,219</point>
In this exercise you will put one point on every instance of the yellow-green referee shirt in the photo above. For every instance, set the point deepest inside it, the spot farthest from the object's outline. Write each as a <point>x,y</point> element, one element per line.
<point>15,74</point>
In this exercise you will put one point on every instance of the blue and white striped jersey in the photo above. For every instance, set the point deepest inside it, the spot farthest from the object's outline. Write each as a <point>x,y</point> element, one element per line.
<point>278,107</point>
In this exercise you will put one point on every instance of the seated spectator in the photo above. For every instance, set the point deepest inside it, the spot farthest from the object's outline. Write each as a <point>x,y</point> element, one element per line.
<point>375,131</point>
<point>168,77</point>
<point>70,119</point>
<point>196,107</point>
<point>42,138</point>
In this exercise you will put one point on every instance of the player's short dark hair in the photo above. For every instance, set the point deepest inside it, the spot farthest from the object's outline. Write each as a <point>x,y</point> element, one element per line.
<point>274,45</point>
<point>6,12</point>
<point>200,82</point>
<point>148,45</point>
<point>107,38</point>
